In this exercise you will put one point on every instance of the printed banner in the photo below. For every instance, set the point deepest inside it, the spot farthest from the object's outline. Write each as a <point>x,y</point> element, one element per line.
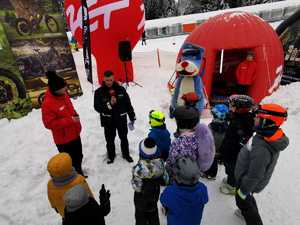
<point>33,40</point>
<point>291,44</point>
<point>87,55</point>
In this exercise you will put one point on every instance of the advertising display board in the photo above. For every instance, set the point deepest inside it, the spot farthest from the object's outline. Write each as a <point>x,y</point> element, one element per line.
<point>33,41</point>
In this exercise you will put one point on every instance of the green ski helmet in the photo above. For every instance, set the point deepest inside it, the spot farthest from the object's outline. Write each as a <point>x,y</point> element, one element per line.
<point>156,118</point>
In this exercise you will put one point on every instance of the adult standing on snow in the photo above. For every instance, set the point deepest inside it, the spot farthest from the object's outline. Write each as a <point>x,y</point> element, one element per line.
<point>246,74</point>
<point>257,159</point>
<point>60,117</point>
<point>113,103</point>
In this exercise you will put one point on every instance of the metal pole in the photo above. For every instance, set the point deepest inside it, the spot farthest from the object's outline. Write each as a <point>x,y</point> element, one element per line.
<point>221,62</point>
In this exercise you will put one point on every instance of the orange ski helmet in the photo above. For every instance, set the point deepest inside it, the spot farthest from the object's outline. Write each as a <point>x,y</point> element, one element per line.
<point>272,112</point>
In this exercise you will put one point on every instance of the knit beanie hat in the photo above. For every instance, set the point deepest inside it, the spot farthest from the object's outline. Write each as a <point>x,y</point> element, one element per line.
<point>186,171</point>
<point>148,149</point>
<point>75,198</point>
<point>186,117</point>
<point>55,82</point>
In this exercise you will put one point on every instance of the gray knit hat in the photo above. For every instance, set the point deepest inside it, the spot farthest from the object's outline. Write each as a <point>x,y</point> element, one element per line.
<point>186,171</point>
<point>75,198</point>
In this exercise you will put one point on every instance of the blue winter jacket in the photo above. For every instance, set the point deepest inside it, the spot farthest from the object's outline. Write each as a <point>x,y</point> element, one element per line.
<point>161,135</point>
<point>184,204</point>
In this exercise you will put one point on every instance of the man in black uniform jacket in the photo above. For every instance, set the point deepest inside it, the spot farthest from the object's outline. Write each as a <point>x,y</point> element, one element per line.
<point>113,103</point>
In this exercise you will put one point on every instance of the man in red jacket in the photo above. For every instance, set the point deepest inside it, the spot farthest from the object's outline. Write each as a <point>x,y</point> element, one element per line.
<point>246,74</point>
<point>59,116</point>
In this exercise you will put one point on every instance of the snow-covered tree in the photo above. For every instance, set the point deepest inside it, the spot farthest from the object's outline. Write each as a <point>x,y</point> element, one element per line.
<point>159,8</point>
<point>184,7</point>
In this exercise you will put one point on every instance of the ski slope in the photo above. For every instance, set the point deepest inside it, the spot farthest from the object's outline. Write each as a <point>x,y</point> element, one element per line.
<point>26,146</point>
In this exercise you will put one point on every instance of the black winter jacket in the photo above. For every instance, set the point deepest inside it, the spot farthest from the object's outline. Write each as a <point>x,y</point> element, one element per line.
<point>239,131</point>
<point>90,214</point>
<point>146,200</point>
<point>113,114</point>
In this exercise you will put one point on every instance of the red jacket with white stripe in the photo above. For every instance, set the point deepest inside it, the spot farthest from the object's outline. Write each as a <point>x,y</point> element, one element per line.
<point>245,73</point>
<point>57,112</point>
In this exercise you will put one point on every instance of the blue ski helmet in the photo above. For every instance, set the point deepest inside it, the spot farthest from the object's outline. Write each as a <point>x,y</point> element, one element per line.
<point>220,111</point>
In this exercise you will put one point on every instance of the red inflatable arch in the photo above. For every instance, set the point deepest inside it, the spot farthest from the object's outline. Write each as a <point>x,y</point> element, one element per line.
<point>235,33</point>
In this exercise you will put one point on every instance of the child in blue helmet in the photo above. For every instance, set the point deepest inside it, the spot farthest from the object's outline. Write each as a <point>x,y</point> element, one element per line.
<point>159,133</point>
<point>218,128</point>
<point>147,176</point>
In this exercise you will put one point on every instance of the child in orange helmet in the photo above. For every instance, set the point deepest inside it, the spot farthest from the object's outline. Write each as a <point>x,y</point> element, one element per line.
<point>257,159</point>
<point>63,177</point>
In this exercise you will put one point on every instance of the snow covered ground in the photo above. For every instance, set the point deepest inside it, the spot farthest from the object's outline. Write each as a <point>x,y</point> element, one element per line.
<point>26,146</point>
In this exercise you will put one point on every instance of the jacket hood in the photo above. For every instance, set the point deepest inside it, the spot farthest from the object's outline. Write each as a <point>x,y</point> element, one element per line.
<point>60,165</point>
<point>280,144</point>
<point>191,195</point>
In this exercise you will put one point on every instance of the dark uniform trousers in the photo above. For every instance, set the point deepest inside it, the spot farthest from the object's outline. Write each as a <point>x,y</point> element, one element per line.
<point>74,149</point>
<point>110,135</point>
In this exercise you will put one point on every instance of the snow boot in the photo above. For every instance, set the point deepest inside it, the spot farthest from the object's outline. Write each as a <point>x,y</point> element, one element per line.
<point>226,188</point>
<point>239,214</point>
<point>128,159</point>
<point>110,161</point>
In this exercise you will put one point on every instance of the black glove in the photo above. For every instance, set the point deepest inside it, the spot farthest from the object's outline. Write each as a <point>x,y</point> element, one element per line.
<point>104,195</point>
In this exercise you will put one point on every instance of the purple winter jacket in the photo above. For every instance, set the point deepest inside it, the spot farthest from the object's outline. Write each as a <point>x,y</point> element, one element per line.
<point>197,145</point>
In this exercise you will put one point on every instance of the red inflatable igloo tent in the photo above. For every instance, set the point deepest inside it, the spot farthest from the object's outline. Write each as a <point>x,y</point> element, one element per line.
<point>226,39</point>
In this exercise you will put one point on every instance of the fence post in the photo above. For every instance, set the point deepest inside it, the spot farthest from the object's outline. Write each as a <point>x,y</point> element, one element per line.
<point>158,58</point>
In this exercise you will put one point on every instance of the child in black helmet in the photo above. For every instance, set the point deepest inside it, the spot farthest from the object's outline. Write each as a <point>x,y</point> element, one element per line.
<point>240,129</point>
<point>195,140</point>
<point>190,101</point>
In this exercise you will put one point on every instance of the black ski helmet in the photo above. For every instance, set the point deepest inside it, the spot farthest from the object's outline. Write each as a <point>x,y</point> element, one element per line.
<point>186,117</point>
<point>241,101</point>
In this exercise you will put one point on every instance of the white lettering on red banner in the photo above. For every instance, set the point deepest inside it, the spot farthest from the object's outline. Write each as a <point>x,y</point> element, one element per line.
<point>104,10</point>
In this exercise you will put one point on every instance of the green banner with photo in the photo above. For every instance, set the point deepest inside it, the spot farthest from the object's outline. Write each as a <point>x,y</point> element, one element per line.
<point>32,41</point>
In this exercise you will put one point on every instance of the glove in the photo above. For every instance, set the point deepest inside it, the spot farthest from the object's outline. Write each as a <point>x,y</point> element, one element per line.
<point>104,195</point>
<point>241,194</point>
<point>131,125</point>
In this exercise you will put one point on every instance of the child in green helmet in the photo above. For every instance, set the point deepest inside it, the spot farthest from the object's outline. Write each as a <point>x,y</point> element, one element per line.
<point>159,133</point>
